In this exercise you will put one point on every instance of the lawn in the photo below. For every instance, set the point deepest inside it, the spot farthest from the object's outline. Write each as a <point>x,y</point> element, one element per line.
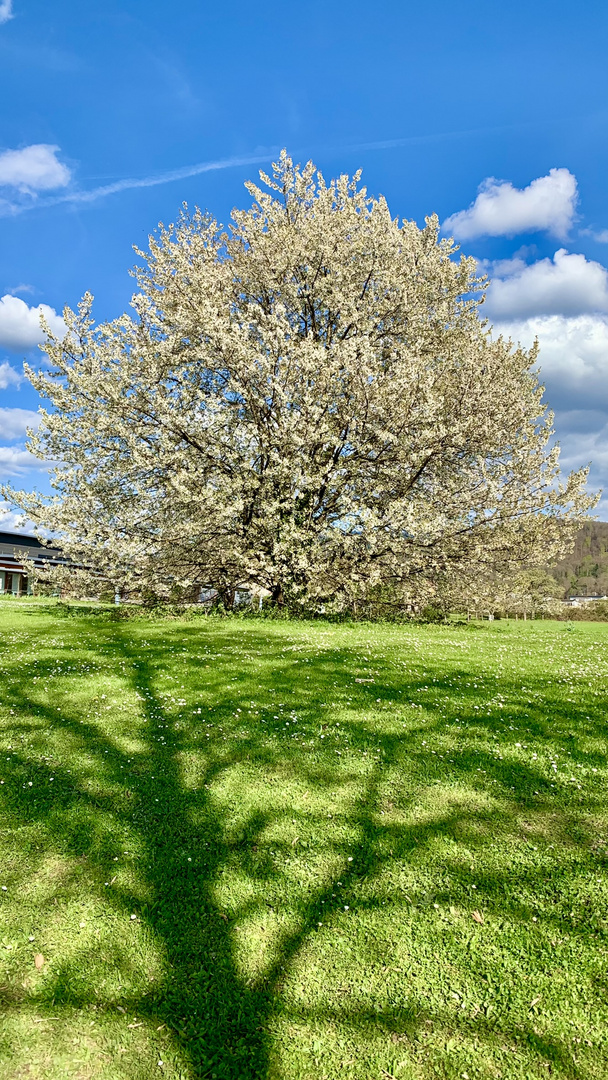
<point>245,849</point>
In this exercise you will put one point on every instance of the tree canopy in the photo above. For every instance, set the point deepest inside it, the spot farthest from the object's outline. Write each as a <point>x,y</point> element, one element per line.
<point>306,401</point>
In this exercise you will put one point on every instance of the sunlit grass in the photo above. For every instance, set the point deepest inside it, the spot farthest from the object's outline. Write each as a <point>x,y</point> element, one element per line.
<point>286,850</point>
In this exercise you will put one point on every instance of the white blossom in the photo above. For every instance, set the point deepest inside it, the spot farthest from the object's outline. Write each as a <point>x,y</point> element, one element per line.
<point>306,402</point>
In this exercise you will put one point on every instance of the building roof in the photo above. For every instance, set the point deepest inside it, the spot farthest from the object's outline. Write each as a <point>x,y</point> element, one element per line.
<point>593,596</point>
<point>15,546</point>
<point>20,539</point>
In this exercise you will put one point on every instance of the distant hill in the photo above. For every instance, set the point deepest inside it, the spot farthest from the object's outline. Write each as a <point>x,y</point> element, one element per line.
<point>585,571</point>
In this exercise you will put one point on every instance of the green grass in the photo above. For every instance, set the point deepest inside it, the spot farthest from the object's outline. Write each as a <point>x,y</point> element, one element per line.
<point>288,850</point>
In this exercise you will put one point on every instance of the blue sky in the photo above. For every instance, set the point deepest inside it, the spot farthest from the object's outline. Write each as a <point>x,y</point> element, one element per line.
<point>495,118</point>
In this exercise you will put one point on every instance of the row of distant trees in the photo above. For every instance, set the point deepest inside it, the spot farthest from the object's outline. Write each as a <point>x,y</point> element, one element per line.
<point>307,403</point>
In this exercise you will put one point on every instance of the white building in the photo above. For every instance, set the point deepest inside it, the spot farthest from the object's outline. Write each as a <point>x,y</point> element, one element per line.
<point>579,601</point>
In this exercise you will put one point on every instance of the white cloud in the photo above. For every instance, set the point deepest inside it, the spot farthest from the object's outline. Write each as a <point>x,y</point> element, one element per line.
<point>8,376</point>
<point>23,288</point>
<point>15,461</point>
<point>9,208</point>
<point>599,235</point>
<point>14,521</point>
<point>6,10</point>
<point>588,447</point>
<point>34,168</point>
<point>584,448</point>
<point>573,358</point>
<point>565,285</point>
<point>15,422</point>
<point>548,204</point>
<point>573,363</point>
<point>20,324</point>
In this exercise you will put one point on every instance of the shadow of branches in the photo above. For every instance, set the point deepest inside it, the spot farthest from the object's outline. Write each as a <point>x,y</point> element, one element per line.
<point>172,783</point>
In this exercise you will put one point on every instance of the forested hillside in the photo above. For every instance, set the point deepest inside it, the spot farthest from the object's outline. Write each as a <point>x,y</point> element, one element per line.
<point>585,570</point>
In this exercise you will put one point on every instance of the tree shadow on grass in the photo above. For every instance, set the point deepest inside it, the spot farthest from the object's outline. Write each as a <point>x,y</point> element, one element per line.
<point>220,1015</point>
<point>217,1020</point>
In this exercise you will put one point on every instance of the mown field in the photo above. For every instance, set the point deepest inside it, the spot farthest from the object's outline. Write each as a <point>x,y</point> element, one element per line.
<point>245,849</point>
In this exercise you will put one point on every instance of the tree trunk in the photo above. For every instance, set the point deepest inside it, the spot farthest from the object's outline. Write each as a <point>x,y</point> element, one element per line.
<point>228,599</point>
<point>277,597</point>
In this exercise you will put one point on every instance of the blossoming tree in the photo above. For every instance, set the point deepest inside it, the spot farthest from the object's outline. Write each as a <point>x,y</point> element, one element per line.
<point>307,401</point>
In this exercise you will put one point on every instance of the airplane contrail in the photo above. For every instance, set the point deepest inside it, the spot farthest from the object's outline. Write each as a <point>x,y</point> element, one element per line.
<point>92,194</point>
<point>8,209</point>
<point>161,178</point>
